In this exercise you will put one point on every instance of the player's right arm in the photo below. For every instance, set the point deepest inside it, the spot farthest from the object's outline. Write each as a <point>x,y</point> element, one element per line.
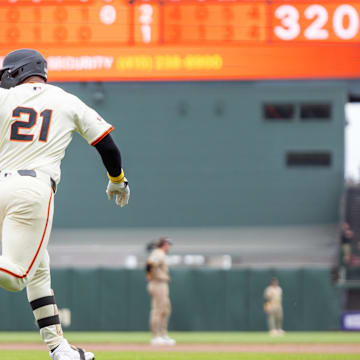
<point>152,262</point>
<point>149,268</point>
<point>267,294</point>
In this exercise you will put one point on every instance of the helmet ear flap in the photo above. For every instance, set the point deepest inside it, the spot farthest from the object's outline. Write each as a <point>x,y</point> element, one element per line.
<point>4,75</point>
<point>7,79</point>
<point>2,71</point>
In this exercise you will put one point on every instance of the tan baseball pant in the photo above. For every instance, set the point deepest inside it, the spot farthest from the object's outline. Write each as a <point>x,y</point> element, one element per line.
<point>26,213</point>
<point>275,318</point>
<point>160,307</point>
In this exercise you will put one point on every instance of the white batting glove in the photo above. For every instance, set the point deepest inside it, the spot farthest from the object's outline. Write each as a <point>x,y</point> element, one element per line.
<point>121,189</point>
<point>121,192</point>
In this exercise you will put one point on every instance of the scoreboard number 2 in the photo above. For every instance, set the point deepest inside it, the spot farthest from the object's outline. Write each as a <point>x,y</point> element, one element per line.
<point>315,30</point>
<point>345,22</point>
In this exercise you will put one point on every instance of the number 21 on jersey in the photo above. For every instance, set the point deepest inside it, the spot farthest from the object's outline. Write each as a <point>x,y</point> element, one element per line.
<point>17,125</point>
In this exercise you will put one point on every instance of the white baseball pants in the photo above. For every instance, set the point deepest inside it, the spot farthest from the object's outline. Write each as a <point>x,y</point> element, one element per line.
<point>26,213</point>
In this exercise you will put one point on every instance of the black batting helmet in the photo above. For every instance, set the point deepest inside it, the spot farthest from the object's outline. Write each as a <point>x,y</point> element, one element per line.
<point>21,64</point>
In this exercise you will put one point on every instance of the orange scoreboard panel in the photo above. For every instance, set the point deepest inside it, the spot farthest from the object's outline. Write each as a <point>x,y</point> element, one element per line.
<point>186,39</point>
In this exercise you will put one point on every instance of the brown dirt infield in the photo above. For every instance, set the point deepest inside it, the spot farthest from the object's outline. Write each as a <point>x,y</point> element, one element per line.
<point>241,348</point>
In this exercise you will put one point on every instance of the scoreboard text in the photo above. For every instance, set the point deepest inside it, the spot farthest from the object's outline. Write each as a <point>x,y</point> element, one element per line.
<point>186,39</point>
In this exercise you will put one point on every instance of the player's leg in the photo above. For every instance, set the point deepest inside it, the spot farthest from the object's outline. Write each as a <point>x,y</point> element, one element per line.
<point>155,317</point>
<point>165,309</point>
<point>27,209</point>
<point>271,322</point>
<point>42,300</point>
<point>279,321</point>
<point>165,314</point>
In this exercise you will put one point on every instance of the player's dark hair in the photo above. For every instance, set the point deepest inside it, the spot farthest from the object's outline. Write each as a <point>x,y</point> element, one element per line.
<point>162,241</point>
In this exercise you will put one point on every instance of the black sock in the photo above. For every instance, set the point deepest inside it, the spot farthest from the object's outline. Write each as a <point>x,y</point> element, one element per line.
<point>54,349</point>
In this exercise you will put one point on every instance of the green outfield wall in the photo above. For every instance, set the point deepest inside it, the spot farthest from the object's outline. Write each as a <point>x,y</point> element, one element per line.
<point>202,300</point>
<point>203,154</point>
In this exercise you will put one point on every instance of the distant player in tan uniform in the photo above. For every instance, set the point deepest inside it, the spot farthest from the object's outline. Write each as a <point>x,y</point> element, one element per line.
<point>157,274</point>
<point>37,123</point>
<point>273,307</point>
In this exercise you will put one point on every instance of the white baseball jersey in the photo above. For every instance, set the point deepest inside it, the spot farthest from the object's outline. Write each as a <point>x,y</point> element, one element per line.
<point>37,124</point>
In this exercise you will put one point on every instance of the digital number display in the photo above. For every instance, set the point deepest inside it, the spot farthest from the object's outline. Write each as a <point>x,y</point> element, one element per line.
<point>186,39</point>
<point>317,22</point>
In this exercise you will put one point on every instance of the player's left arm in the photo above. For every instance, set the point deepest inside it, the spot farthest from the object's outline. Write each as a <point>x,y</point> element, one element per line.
<point>111,157</point>
<point>91,126</point>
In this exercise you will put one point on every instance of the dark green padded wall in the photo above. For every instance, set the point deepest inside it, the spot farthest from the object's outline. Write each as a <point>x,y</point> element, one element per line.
<point>200,154</point>
<point>202,300</point>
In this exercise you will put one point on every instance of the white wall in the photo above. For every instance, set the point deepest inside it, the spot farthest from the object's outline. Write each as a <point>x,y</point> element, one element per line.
<point>352,142</point>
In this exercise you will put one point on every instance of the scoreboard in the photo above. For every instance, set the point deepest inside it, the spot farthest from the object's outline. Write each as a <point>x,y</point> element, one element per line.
<point>186,39</point>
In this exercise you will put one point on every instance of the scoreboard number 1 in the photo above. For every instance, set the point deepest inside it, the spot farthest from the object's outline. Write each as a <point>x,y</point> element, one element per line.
<point>345,22</point>
<point>146,19</point>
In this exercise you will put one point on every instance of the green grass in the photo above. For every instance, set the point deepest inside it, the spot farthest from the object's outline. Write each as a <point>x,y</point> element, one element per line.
<point>187,337</point>
<point>40,355</point>
<point>194,337</point>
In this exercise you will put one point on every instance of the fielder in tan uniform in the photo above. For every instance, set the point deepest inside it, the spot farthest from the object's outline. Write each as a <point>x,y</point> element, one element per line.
<point>157,274</point>
<point>273,307</point>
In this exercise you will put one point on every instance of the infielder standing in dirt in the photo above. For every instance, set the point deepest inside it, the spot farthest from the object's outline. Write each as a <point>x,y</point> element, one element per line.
<point>157,274</point>
<point>37,122</point>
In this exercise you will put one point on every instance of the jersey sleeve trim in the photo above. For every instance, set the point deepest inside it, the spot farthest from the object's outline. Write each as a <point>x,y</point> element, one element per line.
<point>107,132</point>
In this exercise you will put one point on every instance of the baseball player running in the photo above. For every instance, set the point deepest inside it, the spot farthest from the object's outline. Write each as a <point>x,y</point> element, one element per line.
<point>37,122</point>
<point>157,274</point>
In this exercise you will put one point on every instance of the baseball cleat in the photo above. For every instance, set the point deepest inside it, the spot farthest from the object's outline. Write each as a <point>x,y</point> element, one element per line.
<point>65,351</point>
<point>158,341</point>
<point>168,341</point>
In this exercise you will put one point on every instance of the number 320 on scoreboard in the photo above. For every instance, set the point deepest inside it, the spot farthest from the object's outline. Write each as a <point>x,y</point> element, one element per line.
<point>328,21</point>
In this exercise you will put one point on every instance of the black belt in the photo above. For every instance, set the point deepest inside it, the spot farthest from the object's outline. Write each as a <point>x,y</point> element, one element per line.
<point>32,173</point>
